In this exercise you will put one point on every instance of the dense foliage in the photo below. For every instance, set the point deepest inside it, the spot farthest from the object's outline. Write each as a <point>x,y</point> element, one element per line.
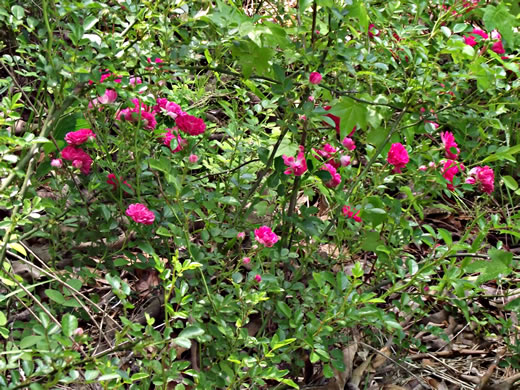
<point>226,195</point>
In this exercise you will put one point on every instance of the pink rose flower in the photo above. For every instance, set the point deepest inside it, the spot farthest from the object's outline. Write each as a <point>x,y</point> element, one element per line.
<point>110,96</point>
<point>157,60</point>
<point>171,109</point>
<point>193,158</point>
<point>246,260</point>
<point>190,124</point>
<point>78,157</point>
<point>345,161</point>
<point>498,48</point>
<point>56,163</point>
<point>169,136</point>
<point>449,169</point>
<point>140,112</point>
<point>140,214</point>
<point>349,143</point>
<point>114,182</point>
<point>372,31</point>
<point>423,168</point>
<point>451,148</point>
<point>484,176</point>
<point>296,166</point>
<point>350,214</point>
<point>265,236</point>
<point>315,78</point>
<point>470,40</point>
<point>495,35</point>
<point>336,177</point>
<point>258,278</point>
<point>482,33</point>
<point>398,157</point>
<point>241,235</point>
<point>76,138</point>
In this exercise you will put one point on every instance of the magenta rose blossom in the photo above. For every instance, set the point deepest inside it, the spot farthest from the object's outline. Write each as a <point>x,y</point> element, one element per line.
<point>351,214</point>
<point>76,138</point>
<point>315,78</point>
<point>265,236</point>
<point>56,163</point>
<point>452,150</point>
<point>449,169</point>
<point>498,47</point>
<point>140,214</point>
<point>296,166</point>
<point>190,124</point>
<point>398,157</point>
<point>258,278</point>
<point>169,136</point>
<point>470,40</point>
<point>484,176</point>
<point>78,157</point>
<point>336,177</point>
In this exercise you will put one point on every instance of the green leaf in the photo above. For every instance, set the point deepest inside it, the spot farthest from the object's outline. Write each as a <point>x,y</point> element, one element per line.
<point>17,11</point>
<point>499,264</point>
<point>68,123</point>
<point>357,270</point>
<point>282,343</point>
<point>56,296</point>
<point>500,18</point>
<point>3,319</point>
<point>29,341</point>
<point>351,113</point>
<point>4,332</point>
<point>376,216</point>
<point>69,324</point>
<point>108,377</point>
<point>510,182</point>
<point>139,375</point>
<point>290,382</point>
<point>282,307</point>
<point>446,236</point>
<point>90,21</point>
<point>91,375</point>
<point>17,247</point>
<point>191,331</point>
<point>182,342</point>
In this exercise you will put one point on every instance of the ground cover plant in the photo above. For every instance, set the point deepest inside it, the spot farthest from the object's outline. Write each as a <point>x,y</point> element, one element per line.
<point>314,194</point>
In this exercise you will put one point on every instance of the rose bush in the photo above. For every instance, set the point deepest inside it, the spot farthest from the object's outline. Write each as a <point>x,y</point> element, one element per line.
<point>296,214</point>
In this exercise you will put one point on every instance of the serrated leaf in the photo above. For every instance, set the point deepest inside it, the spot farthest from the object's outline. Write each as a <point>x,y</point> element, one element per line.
<point>351,113</point>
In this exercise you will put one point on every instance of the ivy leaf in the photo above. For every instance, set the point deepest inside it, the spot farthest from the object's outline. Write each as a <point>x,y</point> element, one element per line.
<point>499,263</point>
<point>500,18</point>
<point>351,113</point>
